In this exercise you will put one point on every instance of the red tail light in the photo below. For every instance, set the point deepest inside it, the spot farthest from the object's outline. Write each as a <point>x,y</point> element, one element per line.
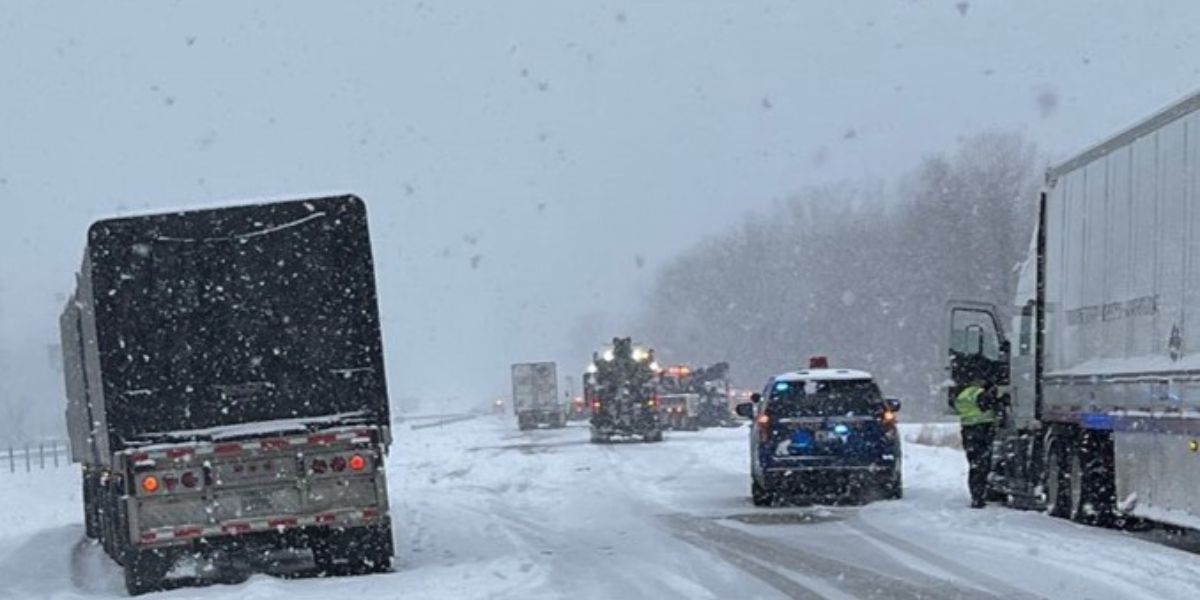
<point>595,407</point>
<point>888,417</point>
<point>338,464</point>
<point>318,466</point>
<point>188,480</point>
<point>764,427</point>
<point>357,463</point>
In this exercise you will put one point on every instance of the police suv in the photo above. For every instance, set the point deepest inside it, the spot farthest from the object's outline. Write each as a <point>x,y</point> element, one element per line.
<point>823,434</point>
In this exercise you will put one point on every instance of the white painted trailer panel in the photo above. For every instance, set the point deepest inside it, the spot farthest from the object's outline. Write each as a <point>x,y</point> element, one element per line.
<point>535,386</point>
<point>1123,271</point>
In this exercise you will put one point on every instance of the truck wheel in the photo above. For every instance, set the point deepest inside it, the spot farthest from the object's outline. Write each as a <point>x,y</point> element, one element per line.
<point>598,438</point>
<point>1092,485</point>
<point>354,550</point>
<point>759,495</point>
<point>91,519</point>
<point>1057,480</point>
<point>145,570</point>
<point>652,437</point>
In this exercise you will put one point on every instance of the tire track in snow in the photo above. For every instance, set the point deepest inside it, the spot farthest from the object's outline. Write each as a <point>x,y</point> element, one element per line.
<point>844,578</point>
<point>972,576</point>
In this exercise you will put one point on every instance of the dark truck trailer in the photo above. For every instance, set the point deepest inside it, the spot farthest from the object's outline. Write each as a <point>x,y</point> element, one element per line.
<point>624,396</point>
<point>226,392</point>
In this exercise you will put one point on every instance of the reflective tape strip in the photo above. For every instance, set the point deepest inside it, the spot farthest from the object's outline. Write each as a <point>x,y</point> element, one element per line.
<point>235,528</point>
<point>274,444</point>
<point>167,534</point>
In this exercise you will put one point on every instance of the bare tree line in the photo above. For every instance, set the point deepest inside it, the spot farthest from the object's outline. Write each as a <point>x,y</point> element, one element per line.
<point>855,272</point>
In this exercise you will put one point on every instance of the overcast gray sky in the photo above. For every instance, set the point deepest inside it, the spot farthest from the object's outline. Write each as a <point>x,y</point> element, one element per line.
<point>520,159</point>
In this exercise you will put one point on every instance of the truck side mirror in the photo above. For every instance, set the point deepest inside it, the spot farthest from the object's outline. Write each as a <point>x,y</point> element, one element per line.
<point>745,409</point>
<point>755,397</point>
<point>892,404</point>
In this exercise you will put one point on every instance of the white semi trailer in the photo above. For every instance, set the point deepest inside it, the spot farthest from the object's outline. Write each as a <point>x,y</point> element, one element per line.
<point>535,395</point>
<point>1103,370</point>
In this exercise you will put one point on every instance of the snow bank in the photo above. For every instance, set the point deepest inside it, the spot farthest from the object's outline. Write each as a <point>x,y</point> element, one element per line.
<point>932,434</point>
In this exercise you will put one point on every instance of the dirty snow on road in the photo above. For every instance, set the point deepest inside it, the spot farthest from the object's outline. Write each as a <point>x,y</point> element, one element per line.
<point>482,511</point>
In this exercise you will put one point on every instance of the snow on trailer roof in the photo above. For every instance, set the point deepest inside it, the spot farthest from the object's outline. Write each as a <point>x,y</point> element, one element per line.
<point>1176,111</point>
<point>823,375</point>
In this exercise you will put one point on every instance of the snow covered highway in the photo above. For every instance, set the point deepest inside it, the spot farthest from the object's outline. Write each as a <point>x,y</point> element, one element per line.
<point>483,511</point>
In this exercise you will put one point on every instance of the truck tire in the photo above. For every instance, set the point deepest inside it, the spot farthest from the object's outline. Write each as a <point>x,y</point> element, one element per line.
<point>145,570</point>
<point>1093,488</point>
<point>653,436</point>
<point>598,438</point>
<point>354,550</point>
<point>1057,484</point>
<point>91,517</point>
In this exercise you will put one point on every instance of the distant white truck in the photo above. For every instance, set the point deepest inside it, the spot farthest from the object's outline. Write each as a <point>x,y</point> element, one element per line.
<point>535,395</point>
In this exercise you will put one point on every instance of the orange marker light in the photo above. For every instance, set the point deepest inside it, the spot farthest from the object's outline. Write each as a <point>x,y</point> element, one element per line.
<point>889,417</point>
<point>150,484</point>
<point>357,463</point>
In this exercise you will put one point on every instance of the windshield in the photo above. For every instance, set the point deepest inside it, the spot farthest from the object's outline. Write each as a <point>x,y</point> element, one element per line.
<point>830,398</point>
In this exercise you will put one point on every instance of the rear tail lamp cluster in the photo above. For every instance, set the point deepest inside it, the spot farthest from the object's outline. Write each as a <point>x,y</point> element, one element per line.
<point>152,484</point>
<point>338,464</point>
<point>764,427</point>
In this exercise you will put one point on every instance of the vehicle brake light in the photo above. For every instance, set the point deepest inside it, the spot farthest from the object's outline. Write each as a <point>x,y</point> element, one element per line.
<point>888,418</point>
<point>338,464</point>
<point>357,463</point>
<point>318,466</point>
<point>150,484</point>
<point>188,480</point>
<point>764,427</point>
<point>595,406</point>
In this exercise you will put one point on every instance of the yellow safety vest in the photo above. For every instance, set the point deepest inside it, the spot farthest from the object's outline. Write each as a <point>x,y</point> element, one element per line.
<point>966,404</point>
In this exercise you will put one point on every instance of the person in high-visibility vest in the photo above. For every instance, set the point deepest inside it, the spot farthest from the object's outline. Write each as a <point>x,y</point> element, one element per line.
<point>976,408</point>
